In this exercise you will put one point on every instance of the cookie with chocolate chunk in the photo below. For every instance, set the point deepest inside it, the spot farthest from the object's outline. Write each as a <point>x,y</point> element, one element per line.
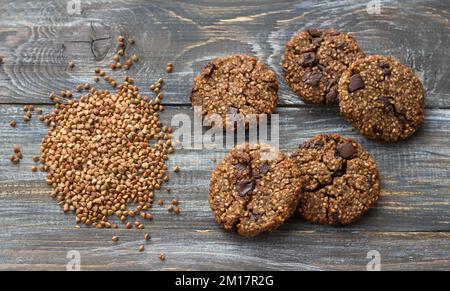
<point>234,87</point>
<point>382,98</point>
<point>254,189</point>
<point>314,60</point>
<point>339,179</point>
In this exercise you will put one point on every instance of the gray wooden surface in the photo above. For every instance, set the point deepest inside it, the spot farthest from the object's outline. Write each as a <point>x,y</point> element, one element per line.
<point>409,227</point>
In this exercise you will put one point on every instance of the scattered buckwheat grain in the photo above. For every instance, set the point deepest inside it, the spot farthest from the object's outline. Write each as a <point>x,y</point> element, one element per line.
<point>169,68</point>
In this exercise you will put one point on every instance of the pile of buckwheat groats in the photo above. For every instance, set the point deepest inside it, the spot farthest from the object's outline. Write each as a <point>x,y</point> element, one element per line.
<point>98,155</point>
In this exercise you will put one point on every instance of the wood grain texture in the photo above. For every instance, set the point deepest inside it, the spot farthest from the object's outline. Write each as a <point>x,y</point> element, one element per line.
<point>410,225</point>
<point>40,38</point>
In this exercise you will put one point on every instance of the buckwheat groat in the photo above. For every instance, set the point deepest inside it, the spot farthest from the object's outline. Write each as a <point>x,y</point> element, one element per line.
<point>339,179</point>
<point>314,60</point>
<point>253,190</point>
<point>233,85</point>
<point>382,98</point>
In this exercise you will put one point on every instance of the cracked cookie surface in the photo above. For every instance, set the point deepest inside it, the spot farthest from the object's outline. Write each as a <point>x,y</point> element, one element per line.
<point>382,98</point>
<point>253,190</point>
<point>237,84</point>
<point>339,179</point>
<point>314,60</point>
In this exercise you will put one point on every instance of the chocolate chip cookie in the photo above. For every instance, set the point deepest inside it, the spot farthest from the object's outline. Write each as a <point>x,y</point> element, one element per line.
<point>314,60</point>
<point>254,189</point>
<point>339,179</point>
<point>234,87</point>
<point>382,98</point>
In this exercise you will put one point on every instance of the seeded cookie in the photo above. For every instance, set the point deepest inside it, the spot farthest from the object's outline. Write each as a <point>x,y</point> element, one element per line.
<point>235,85</point>
<point>339,179</point>
<point>382,98</point>
<point>314,60</point>
<point>253,190</point>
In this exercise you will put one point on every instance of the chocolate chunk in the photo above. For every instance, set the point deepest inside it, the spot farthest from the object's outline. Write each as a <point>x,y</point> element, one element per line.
<point>314,32</point>
<point>264,168</point>
<point>334,32</point>
<point>245,187</point>
<point>402,118</point>
<point>341,45</point>
<point>342,168</point>
<point>331,96</point>
<point>255,216</point>
<point>369,181</point>
<point>309,59</point>
<point>336,220</point>
<point>317,41</point>
<point>330,83</point>
<point>240,167</point>
<point>346,150</point>
<point>317,144</point>
<point>387,102</point>
<point>385,99</point>
<point>386,68</point>
<point>208,70</point>
<point>273,86</point>
<point>313,78</point>
<point>321,67</point>
<point>355,83</point>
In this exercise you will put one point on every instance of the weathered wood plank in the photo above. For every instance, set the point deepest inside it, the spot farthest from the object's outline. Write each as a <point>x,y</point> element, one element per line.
<point>410,226</point>
<point>415,173</point>
<point>185,249</point>
<point>39,41</point>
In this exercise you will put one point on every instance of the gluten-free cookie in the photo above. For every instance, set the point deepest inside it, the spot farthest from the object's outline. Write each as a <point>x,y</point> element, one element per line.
<point>339,179</point>
<point>314,60</point>
<point>254,189</point>
<point>235,85</point>
<point>382,98</point>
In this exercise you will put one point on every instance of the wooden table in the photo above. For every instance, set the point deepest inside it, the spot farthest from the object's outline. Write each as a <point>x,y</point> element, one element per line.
<point>409,227</point>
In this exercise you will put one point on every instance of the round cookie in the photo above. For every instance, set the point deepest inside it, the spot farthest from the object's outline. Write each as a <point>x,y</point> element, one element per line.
<point>253,190</point>
<point>235,86</point>
<point>314,60</point>
<point>382,98</point>
<point>339,179</point>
